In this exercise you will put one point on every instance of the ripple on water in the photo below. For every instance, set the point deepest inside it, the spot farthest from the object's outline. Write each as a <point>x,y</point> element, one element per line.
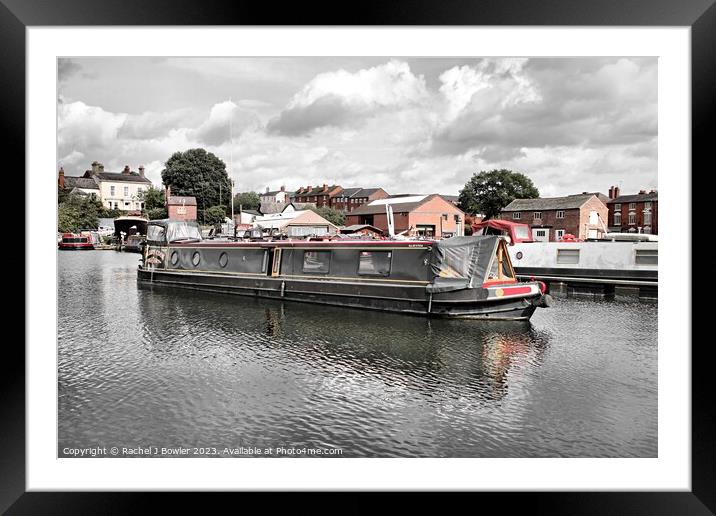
<point>169,367</point>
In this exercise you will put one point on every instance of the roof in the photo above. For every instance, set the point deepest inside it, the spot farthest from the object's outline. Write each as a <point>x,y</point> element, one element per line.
<point>350,192</point>
<point>653,196</point>
<point>358,227</point>
<point>317,190</point>
<point>570,202</point>
<point>85,183</point>
<point>181,200</point>
<point>132,177</point>
<point>399,205</point>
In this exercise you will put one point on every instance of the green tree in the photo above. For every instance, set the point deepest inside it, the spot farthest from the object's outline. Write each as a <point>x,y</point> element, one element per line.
<point>331,215</point>
<point>152,198</point>
<point>214,215</point>
<point>77,212</point>
<point>200,174</point>
<point>154,203</point>
<point>489,192</point>
<point>247,201</point>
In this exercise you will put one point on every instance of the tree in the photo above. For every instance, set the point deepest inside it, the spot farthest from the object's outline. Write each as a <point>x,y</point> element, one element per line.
<point>489,192</point>
<point>247,201</point>
<point>200,174</point>
<point>154,203</point>
<point>77,212</point>
<point>331,215</point>
<point>214,215</point>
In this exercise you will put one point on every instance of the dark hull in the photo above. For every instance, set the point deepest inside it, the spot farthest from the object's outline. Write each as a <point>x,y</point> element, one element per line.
<point>378,296</point>
<point>602,275</point>
<point>71,247</point>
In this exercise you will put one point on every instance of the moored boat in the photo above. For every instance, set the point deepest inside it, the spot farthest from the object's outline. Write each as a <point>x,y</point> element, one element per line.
<point>75,242</point>
<point>468,277</point>
<point>616,259</point>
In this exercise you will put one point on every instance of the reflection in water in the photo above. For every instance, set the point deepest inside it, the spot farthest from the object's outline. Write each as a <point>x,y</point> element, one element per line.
<point>159,366</point>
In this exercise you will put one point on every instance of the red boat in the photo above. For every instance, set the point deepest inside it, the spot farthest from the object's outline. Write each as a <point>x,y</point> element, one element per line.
<point>75,242</point>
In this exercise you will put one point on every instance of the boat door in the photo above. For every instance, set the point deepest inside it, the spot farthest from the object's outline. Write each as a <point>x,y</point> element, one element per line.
<point>276,262</point>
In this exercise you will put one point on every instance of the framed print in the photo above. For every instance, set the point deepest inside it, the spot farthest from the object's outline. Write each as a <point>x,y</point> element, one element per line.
<point>332,170</point>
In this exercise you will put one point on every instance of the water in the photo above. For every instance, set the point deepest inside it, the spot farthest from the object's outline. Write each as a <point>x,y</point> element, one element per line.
<point>146,368</point>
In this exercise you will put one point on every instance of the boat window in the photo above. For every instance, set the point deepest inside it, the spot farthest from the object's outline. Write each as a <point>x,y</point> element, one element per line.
<point>568,256</point>
<point>316,262</point>
<point>522,231</point>
<point>156,234</point>
<point>646,257</point>
<point>182,231</point>
<point>375,263</point>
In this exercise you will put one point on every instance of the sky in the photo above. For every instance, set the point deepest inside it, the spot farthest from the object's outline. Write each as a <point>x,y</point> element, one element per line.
<point>408,125</point>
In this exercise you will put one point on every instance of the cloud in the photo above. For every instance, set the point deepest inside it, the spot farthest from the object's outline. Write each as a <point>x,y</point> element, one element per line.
<point>66,68</point>
<point>81,126</point>
<point>225,119</point>
<point>555,103</point>
<point>342,98</point>
<point>152,124</point>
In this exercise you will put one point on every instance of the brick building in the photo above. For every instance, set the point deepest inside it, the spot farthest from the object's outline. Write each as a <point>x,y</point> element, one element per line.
<point>583,215</point>
<point>351,198</point>
<point>180,207</point>
<point>318,195</point>
<point>421,215</point>
<point>637,213</point>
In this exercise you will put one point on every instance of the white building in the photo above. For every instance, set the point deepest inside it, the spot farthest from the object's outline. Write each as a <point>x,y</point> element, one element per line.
<point>116,190</point>
<point>280,196</point>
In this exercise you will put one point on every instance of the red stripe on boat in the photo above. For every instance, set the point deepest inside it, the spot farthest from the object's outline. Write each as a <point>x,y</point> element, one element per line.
<point>511,291</point>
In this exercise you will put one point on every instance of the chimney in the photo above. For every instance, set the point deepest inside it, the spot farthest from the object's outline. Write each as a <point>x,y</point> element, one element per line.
<point>616,192</point>
<point>141,170</point>
<point>101,168</point>
<point>611,192</point>
<point>125,172</point>
<point>325,186</point>
<point>283,188</point>
<point>309,188</point>
<point>642,192</point>
<point>267,189</point>
<point>95,167</point>
<point>61,178</point>
<point>650,191</point>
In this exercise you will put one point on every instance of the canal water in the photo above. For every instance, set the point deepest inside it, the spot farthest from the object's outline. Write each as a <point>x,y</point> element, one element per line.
<point>146,368</point>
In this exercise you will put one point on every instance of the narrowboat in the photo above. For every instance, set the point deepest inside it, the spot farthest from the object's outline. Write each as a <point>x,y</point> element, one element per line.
<point>616,259</point>
<point>75,242</point>
<point>464,277</point>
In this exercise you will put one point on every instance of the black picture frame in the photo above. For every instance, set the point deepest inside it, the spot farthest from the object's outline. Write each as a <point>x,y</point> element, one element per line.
<point>700,15</point>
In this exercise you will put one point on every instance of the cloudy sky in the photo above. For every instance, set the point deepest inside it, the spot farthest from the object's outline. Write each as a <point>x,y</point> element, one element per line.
<point>409,125</point>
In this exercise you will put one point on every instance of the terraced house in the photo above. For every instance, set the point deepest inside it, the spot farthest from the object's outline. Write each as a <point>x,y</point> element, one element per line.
<point>582,215</point>
<point>636,213</point>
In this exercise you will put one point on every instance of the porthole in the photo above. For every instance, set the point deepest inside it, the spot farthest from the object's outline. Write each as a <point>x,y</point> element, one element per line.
<point>196,258</point>
<point>519,255</point>
<point>174,258</point>
<point>223,260</point>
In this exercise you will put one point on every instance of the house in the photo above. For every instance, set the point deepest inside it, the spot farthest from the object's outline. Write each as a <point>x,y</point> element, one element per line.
<point>295,223</point>
<point>420,215</point>
<point>116,190</point>
<point>352,198</point>
<point>318,195</point>
<point>633,213</point>
<point>181,207</point>
<point>278,196</point>
<point>582,215</point>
